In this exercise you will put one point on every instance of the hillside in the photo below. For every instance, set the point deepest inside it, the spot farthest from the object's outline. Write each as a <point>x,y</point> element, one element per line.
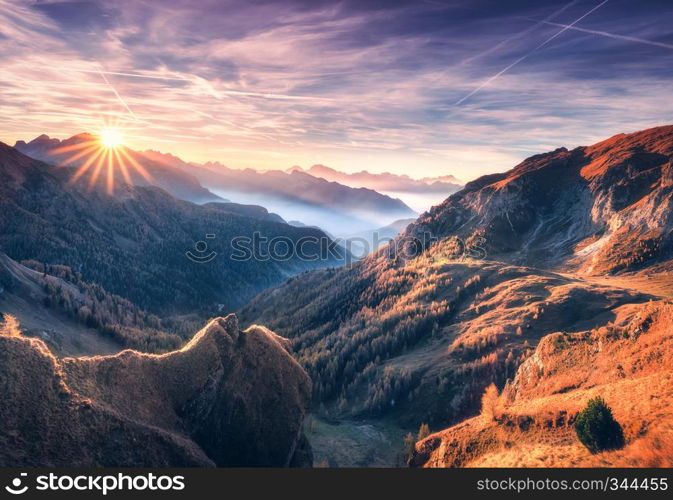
<point>416,336</point>
<point>601,209</point>
<point>419,341</point>
<point>76,318</point>
<point>134,243</point>
<point>23,295</point>
<point>228,398</point>
<point>139,169</point>
<point>626,361</point>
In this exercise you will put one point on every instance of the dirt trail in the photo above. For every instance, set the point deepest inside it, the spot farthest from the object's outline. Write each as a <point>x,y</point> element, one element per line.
<point>659,284</point>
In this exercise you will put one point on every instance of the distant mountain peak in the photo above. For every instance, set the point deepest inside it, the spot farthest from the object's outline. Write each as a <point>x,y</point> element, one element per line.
<point>386,182</point>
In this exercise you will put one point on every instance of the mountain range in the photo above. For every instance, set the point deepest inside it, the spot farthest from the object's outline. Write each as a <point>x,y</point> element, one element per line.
<point>134,243</point>
<point>295,195</point>
<point>386,182</point>
<point>335,207</point>
<point>515,280</point>
<point>417,193</point>
<point>66,153</point>
<point>493,319</point>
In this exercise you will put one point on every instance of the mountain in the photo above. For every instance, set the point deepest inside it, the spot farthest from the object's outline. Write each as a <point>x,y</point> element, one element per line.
<point>386,182</point>
<point>365,242</point>
<point>420,194</point>
<point>626,362</point>
<point>418,341</point>
<point>465,297</point>
<point>605,208</point>
<point>334,207</point>
<point>66,153</point>
<point>228,398</point>
<point>135,243</point>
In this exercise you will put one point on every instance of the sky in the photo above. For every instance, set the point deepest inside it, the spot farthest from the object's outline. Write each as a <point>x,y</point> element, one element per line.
<point>423,88</point>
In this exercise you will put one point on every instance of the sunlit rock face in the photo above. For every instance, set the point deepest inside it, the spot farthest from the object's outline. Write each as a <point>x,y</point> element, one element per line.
<point>597,209</point>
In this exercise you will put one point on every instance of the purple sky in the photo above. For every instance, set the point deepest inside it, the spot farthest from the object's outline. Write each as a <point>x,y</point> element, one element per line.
<point>423,88</point>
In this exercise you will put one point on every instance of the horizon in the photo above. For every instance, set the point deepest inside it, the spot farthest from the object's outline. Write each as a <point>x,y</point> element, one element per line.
<point>424,89</point>
<point>307,168</point>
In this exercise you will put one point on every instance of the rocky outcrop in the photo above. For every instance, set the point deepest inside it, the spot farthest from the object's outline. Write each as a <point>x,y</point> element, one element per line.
<point>228,398</point>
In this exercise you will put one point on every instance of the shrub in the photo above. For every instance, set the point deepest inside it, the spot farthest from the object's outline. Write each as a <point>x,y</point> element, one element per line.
<point>597,429</point>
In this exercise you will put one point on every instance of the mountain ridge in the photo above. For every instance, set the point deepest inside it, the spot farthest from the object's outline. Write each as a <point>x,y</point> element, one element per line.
<point>227,398</point>
<point>301,196</point>
<point>47,218</point>
<point>65,153</point>
<point>385,181</point>
<point>571,209</point>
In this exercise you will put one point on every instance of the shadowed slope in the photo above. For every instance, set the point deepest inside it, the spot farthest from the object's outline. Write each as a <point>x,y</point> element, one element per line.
<point>228,398</point>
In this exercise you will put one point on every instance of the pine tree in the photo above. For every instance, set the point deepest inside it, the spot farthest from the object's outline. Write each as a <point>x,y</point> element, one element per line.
<point>10,326</point>
<point>597,429</point>
<point>423,432</point>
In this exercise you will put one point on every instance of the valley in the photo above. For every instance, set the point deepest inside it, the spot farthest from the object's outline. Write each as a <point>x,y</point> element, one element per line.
<point>417,338</point>
<point>336,234</point>
<point>496,287</point>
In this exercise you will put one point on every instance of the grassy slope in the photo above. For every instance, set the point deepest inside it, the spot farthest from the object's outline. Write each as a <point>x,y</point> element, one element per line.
<point>228,398</point>
<point>449,327</point>
<point>355,443</point>
<point>626,362</point>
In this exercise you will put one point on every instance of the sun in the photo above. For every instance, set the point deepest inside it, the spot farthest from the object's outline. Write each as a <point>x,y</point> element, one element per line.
<point>111,138</point>
<point>103,156</point>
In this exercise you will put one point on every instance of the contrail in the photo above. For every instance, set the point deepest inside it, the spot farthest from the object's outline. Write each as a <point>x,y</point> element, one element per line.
<point>609,35</point>
<point>525,56</point>
<point>196,80</point>
<point>122,101</point>
<point>135,75</point>
<point>520,34</point>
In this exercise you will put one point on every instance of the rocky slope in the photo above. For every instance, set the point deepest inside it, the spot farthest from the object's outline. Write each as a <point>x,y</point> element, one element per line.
<point>228,398</point>
<point>600,209</point>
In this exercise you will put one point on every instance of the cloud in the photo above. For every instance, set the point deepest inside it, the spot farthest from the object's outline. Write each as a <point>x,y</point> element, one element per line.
<point>356,85</point>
